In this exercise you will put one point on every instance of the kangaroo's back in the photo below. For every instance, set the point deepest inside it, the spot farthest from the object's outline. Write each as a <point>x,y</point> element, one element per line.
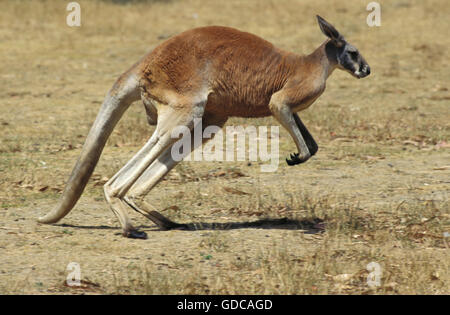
<point>239,70</point>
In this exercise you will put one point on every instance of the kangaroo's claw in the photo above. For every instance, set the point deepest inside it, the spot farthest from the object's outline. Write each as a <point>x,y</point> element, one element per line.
<point>295,159</point>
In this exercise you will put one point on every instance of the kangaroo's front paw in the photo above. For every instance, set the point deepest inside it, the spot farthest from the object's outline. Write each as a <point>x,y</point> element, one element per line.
<point>296,159</point>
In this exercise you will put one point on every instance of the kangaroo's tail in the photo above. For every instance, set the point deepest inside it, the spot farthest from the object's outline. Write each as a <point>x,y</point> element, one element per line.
<point>122,94</point>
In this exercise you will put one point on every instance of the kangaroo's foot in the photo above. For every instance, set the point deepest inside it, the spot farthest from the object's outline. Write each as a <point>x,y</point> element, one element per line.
<point>133,233</point>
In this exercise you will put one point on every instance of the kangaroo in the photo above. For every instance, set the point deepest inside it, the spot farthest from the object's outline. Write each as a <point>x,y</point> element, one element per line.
<point>208,73</point>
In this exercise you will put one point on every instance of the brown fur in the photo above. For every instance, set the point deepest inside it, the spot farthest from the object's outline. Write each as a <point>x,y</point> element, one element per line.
<point>238,71</point>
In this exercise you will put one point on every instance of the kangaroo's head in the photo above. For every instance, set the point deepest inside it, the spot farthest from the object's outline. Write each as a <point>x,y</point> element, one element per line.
<point>347,56</point>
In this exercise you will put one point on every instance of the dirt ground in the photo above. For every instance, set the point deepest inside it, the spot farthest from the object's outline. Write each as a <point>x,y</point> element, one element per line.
<point>377,190</point>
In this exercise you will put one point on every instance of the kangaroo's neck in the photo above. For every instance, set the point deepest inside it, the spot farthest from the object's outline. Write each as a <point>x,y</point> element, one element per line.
<point>323,59</point>
<point>307,79</point>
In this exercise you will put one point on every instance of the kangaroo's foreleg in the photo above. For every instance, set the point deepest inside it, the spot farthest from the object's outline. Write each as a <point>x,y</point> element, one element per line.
<point>285,117</point>
<point>310,142</point>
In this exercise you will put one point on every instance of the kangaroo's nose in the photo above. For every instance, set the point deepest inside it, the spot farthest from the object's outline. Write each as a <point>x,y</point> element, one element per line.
<point>367,70</point>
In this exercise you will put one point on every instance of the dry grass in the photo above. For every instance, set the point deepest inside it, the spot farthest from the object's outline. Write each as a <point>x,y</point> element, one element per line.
<point>376,192</point>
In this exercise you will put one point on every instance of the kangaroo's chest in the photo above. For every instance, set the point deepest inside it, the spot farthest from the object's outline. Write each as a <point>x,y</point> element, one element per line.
<point>306,101</point>
<point>303,93</point>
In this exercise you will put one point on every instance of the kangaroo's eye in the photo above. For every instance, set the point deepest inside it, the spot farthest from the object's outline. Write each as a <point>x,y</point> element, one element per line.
<point>353,55</point>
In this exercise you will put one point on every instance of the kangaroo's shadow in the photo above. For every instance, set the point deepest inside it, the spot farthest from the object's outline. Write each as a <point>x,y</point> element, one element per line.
<point>310,226</point>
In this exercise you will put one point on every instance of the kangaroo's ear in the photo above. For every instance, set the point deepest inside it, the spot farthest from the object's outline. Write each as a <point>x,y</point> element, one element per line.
<point>330,31</point>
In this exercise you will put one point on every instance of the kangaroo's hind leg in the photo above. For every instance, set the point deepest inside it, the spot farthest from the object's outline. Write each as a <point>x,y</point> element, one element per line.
<point>157,170</point>
<point>117,187</point>
<point>152,175</point>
